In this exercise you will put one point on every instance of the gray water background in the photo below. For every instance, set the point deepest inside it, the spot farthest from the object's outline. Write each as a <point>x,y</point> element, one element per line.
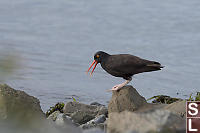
<point>56,40</point>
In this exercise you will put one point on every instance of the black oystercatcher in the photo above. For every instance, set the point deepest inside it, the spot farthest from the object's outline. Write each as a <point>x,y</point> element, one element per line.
<point>123,65</point>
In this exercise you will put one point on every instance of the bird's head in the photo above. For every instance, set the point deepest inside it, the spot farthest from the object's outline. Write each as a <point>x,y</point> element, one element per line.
<point>98,58</point>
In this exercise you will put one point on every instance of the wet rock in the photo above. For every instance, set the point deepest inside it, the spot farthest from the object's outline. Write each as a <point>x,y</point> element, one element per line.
<point>94,123</point>
<point>151,121</point>
<point>127,98</point>
<point>178,107</point>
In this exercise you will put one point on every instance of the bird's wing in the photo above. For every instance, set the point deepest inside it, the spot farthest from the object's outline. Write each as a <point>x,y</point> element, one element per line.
<point>125,63</point>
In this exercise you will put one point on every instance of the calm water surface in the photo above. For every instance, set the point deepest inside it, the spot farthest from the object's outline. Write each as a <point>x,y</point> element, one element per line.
<point>56,40</point>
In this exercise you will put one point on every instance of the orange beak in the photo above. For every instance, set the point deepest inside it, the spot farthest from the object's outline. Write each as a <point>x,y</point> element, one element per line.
<point>94,62</point>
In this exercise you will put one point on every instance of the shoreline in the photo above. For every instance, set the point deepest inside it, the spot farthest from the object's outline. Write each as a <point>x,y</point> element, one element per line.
<point>124,104</point>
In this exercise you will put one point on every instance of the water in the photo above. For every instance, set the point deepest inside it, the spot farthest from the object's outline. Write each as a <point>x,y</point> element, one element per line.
<point>56,40</point>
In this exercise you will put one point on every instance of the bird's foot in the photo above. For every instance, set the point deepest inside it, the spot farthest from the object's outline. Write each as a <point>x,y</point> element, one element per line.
<point>119,86</point>
<point>116,87</point>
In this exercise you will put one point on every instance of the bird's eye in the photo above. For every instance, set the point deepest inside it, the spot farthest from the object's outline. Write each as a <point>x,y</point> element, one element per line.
<point>97,56</point>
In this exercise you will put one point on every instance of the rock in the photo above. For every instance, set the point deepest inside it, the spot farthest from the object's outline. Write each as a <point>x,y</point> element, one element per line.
<point>94,130</point>
<point>177,107</point>
<point>81,109</point>
<point>150,106</point>
<point>72,107</point>
<point>98,119</point>
<point>17,105</point>
<point>54,115</point>
<point>153,121</point>
<point>60,119</point>
<point>96,122</point>
<point>21,113</point>
<point>82,113</point>
<point>103,111</point>
<point>63,120</point>
<point>81,117</point>
<point>97,104</point>
<point>127,98</point>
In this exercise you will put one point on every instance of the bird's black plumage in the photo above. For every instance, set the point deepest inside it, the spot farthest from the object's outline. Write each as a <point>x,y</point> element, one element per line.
<point>125,65</point>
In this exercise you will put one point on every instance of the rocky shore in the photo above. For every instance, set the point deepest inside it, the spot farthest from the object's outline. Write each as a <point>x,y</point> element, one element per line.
<point>127,112</point>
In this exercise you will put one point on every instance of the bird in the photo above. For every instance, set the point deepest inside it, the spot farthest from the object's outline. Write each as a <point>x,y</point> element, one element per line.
<point>123,65</point>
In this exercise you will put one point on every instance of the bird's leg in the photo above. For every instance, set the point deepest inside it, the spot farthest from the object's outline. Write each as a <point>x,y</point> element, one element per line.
<point>119,86</point>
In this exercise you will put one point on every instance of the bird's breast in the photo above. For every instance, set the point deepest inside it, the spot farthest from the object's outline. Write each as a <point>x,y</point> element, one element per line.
<point>107,66</point>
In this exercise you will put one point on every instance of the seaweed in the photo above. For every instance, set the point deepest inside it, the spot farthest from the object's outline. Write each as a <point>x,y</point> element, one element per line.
<point>195,98</point>
<point>58,107</point>
<point>163,99</point>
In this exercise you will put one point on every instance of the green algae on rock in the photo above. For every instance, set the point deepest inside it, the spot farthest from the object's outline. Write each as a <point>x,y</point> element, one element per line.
<point>58,107</point>
<point>163,99</point>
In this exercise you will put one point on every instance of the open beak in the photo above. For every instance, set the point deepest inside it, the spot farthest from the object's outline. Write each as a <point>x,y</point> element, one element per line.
<point>94,62</point>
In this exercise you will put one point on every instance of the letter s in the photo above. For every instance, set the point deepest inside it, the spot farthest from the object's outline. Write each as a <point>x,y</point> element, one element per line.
<point>193,108</point>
